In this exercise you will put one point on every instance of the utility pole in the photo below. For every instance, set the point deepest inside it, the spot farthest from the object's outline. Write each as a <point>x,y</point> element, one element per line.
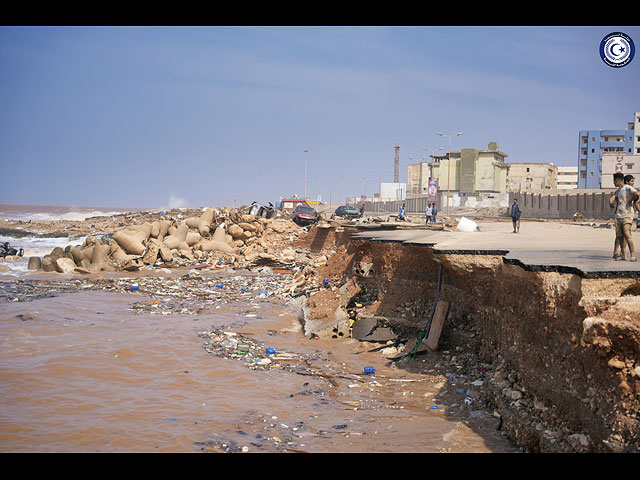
<point>396,164</point>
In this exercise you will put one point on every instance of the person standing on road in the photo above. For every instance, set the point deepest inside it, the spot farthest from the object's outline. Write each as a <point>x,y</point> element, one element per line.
<point>428,213</point>
<point>516,211</point>
<point>630,180</point>
<point>434,212</point>
<point>623,201</point>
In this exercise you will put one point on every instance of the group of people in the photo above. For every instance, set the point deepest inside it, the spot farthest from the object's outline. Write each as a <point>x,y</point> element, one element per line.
<point>625,202</point>
<point>430,212</point>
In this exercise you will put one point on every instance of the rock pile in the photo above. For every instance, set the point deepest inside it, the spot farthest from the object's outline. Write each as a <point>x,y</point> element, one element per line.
<point>240,239</point>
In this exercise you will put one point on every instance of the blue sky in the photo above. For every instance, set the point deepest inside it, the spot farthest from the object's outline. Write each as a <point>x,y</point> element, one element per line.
<point>208,116</point>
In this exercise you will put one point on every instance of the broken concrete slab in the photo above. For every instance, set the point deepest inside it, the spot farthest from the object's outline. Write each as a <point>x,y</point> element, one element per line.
<point>372,329</point>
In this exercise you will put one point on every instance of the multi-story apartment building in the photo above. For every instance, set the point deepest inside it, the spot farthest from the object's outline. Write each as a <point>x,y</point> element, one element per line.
<point>594,143</point>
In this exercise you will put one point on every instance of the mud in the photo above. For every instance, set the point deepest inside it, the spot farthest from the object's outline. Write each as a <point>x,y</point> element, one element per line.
<point>557,354</point>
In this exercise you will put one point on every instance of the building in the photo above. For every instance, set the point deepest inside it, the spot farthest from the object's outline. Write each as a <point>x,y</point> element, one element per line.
<point>419,175</point>
<point>615,162</point>
<point>472,171</point>
<point>594,143</point>
<point>567,178</point>
<point>523,177</point>
<point>392,191</point>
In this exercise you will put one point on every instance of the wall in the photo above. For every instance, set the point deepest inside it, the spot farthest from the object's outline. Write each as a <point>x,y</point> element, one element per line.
<point>560,204</point>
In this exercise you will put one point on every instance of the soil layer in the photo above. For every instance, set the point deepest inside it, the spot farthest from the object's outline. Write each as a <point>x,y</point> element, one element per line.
<point>559,354</point>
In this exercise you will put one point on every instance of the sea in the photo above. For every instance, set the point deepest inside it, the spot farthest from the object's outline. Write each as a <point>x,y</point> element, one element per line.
<point>88,372</point>
<point>40,245</point>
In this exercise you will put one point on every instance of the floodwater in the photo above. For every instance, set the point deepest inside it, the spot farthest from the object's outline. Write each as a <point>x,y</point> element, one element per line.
<point>84,372</point>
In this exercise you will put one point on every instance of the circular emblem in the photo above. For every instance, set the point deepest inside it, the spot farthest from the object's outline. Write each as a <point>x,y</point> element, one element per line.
<point>617,49</point>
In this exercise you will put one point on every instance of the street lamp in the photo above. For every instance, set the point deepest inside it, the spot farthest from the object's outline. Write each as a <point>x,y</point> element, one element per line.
<point>448,164</point>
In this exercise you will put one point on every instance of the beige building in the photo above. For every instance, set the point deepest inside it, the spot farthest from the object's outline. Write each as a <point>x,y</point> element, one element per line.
<point>471,171</point>
<point>418,177</point>
<point>532,176</point>
<point>567,178</point>
<point>619,162</point>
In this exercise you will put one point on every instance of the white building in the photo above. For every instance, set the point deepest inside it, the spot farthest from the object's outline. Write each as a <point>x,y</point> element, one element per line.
<point>567,177</point>
<point>393,191</point>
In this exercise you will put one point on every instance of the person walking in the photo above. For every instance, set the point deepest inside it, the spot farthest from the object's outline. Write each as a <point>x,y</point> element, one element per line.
<point>434,212</point>
<point>428,213</point>
<point>516,211</point>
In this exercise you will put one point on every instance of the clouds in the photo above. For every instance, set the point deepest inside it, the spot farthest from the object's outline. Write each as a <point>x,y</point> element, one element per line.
<point>203,106</point>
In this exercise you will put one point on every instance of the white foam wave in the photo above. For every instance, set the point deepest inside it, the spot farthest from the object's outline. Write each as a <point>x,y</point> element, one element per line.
<point>71,216</point>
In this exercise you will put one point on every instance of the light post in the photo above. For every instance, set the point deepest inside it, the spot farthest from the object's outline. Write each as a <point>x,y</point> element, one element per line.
<point>448,164</point>
<point>306,154</point>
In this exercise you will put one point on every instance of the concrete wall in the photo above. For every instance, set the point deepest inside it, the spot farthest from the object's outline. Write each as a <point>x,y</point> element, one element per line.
<point>590,204</point>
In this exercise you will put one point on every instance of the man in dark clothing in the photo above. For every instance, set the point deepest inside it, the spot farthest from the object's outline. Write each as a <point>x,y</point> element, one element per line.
<point>516,211</point>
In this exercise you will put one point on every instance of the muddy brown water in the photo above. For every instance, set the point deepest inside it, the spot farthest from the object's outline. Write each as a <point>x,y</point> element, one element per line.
<point>84,372</point>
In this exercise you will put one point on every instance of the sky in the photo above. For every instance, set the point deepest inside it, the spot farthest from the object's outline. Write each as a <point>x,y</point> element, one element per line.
<point>159,117</point>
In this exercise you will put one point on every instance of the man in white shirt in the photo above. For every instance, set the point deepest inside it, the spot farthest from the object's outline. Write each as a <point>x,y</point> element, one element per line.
<point>622,200</point>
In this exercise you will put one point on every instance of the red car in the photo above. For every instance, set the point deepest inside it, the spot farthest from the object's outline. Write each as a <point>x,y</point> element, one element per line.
<point>304,215</point>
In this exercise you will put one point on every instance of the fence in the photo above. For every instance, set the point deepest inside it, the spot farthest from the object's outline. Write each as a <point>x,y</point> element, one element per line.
<point>593,204</point>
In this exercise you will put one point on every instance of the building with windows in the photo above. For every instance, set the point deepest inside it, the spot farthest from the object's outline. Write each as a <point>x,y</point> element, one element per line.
<point>594,143</point>
<point>567,178</point>
<point>471,171</point>
<point>523,177</point>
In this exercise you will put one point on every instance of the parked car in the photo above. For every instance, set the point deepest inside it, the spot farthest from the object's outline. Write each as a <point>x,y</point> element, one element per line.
<point>347,211</point>
<point>304,215</point>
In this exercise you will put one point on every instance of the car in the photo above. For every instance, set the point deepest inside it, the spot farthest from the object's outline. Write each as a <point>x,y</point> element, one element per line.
<point>347,211</point>
<point>304,215</point>
<point>263,211</point>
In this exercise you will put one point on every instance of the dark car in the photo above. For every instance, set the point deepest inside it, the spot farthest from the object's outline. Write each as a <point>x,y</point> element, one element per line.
<point>347,211</point>
<point>304,215</point>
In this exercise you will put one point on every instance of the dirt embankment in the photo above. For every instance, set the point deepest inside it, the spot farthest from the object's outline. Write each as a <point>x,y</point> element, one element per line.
<point>564,351</point>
